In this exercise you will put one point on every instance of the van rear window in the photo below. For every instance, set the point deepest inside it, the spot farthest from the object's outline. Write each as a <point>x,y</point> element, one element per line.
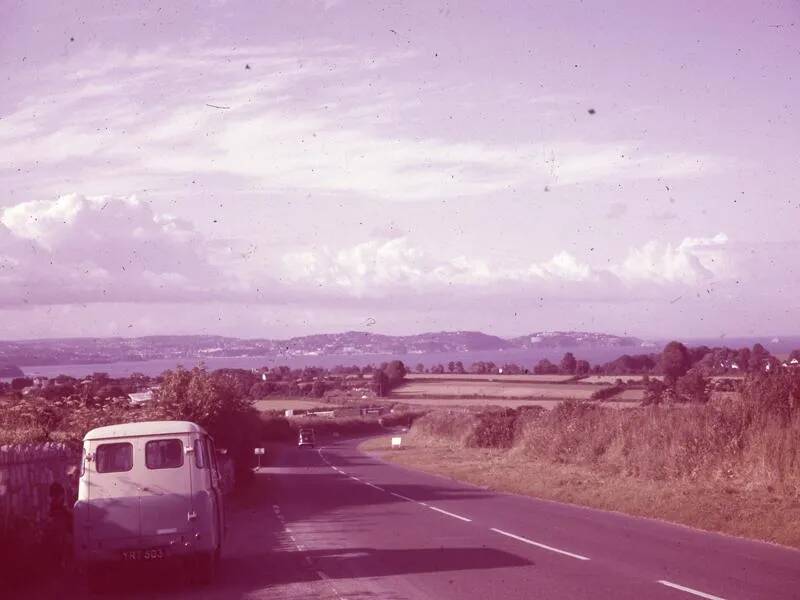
<point>163,454</point>
<point>114,458</point>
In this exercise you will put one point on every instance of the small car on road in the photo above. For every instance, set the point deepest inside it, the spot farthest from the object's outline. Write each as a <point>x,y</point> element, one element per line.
<point>306,438</point>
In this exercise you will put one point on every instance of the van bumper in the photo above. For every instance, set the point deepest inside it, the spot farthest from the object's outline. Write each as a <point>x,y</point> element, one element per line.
<point>173,546</point>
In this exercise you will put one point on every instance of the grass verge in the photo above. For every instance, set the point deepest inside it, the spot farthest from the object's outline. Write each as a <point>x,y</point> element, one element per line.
<point>756,514</point>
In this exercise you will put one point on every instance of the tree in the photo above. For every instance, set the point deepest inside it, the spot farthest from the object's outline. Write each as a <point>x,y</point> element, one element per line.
<point>437,369</point>
<point>692,387</point>
<point>654,391</point>
<point>758,357</point>
<point>19,383</point>
<point>395,371</point>
<point>674,361</point>
<point>420,368</point>
<point>213,402</point>
<point>451,366</point>
<point>545,367</point>
<point>568,364</point>
<point>318,389</point>
<point>773,395</point>
<point>380,383</point>
<point>743,360</point>
<point>459,368</point>
<point>582,367</point>
<point>261,389</point>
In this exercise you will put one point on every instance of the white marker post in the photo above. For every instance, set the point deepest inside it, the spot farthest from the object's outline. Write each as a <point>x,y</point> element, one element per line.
<point>259,452</point>
<point>396,442</point>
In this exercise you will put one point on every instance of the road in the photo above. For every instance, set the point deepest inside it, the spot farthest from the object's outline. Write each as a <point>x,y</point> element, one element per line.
<point>333,523</point>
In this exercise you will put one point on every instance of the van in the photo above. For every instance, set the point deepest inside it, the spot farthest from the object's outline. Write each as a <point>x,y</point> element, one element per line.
<point>149,492</point>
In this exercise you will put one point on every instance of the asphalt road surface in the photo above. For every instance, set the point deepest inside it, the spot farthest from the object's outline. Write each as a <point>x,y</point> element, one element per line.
<point>333,523</point>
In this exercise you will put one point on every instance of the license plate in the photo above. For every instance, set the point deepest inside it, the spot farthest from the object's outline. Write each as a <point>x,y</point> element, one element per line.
<point>149,554</point>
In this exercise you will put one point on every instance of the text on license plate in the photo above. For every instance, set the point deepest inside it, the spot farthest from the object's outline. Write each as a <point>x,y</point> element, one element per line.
<point>151,554</point>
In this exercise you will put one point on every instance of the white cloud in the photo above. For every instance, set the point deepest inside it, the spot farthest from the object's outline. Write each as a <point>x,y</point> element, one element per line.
<point>382,268</point>
<point>78,249</point>
<point>691,261</point>
<point>101,249</point>
<point>299,120</point>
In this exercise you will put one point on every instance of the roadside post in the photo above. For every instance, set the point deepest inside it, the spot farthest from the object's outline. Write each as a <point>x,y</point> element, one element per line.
<point>396,442</point>
<point>259,452</point>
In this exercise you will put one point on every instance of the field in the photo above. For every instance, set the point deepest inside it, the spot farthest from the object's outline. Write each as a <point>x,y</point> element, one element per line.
<point>292,403</point>
<point>498,390</point>
<point>443,402</point>
<point>612,379</point>
<point>476,377</point>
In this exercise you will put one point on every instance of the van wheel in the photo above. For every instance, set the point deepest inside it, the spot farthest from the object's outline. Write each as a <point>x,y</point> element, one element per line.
<point>206,567</point>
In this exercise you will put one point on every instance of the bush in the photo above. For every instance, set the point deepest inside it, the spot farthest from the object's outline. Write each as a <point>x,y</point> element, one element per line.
<point>605,393</point>
<point>753,438</point>
<point>494,429</point>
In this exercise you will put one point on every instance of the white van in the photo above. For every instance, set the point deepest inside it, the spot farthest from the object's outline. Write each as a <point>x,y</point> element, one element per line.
<point>149,491</point>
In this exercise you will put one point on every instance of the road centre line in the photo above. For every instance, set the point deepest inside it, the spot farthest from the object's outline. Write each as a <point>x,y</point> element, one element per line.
<point>689,590</point>
<point>406,498</point>
<point>542,546</point>
<point>449,514</point>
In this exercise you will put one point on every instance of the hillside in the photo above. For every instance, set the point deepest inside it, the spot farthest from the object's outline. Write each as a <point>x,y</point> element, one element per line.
<point>349,343</point>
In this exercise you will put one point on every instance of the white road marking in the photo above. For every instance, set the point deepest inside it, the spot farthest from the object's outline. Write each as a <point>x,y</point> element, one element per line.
<point>538,545</point>
<point>377,487</point>
<point>406,498</point>
<point>354,478</point>
<point>689,590</point>
<point>449,514</point>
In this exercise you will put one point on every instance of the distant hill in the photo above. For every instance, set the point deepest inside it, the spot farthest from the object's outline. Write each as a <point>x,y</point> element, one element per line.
<point>109,350</point>
<point>10,371</point>
<point>561,339</point>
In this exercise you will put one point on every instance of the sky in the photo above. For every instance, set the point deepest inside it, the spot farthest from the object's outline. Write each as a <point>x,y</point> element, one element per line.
<point>278,168</point>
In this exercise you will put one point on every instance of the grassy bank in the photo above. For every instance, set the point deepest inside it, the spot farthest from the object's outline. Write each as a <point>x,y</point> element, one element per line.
<point>732,467</point>
<point>757,514</point>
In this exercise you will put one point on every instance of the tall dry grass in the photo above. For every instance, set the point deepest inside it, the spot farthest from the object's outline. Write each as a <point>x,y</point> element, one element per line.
<point>751,441</point>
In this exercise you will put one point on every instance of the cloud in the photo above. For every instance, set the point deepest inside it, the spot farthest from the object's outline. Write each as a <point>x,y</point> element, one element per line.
<point>299,119</point>
<point>78,249</point>
<point>616,210</point>
<point>691,261</point>
<point>385,268</point>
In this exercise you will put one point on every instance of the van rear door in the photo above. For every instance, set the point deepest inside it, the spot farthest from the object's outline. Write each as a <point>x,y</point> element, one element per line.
<point>113,494</point>
<point>166,486</point>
